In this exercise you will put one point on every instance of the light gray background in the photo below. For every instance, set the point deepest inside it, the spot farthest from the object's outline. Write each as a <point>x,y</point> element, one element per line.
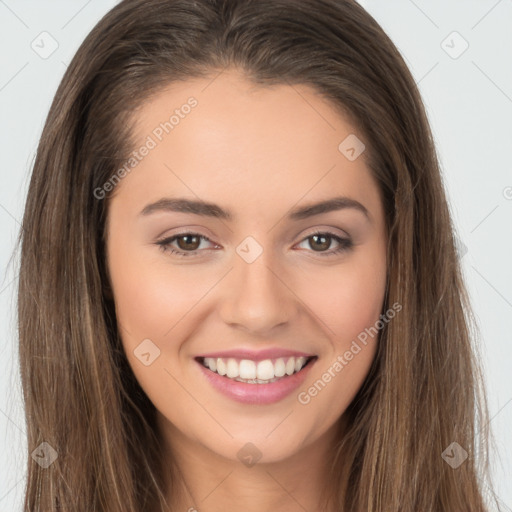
<point>469,102</point>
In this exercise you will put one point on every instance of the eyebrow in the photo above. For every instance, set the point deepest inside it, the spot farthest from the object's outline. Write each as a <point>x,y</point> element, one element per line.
<point>199,207</point>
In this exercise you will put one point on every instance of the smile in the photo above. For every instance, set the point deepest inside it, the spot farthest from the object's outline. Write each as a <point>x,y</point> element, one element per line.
<point>257,382</point>
<point>255,372</point>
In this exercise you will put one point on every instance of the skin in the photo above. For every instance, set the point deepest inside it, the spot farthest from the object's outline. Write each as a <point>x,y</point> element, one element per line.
<point>258,152</point>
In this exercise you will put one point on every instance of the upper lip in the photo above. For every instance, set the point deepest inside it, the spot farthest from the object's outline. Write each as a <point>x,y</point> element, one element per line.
<point>256,355</point>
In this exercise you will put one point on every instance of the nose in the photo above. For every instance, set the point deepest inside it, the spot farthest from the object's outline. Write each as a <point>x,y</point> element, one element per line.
<point>257,298</point>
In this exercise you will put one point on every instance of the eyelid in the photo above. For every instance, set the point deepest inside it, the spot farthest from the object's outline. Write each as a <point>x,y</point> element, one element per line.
<point>345,242</point>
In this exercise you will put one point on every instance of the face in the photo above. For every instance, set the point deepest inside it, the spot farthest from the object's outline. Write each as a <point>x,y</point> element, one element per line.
<point>219,257</point>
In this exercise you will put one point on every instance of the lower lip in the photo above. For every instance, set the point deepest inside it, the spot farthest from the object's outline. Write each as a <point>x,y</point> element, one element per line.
<point>256,393</point>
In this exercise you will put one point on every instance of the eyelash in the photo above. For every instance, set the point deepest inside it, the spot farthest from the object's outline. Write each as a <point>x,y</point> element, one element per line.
<point>345,244</point>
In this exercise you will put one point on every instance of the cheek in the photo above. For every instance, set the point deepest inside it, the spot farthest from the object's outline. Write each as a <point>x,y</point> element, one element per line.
<point>348,302</point>
<point>153,309</point>
<point>161,302</point>
<point>348,299</point>
<point>150,298</point>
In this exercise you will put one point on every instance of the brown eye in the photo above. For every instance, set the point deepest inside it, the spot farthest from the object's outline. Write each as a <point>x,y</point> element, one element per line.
<point>185,244</point>
<point>320,242</point>
<point>188,242</point>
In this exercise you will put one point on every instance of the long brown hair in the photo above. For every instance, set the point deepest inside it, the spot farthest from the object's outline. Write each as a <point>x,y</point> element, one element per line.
<point>424,390</point>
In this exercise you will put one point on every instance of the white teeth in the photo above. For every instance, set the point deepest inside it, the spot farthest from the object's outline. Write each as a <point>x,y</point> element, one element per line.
<point>255,372</point>
<point>279,368</point>
<point>299,363</point>
<point>247,369</point>
<point>221,367</point>
<point>232,369</point>
<point>265,370</point>
<point>290,366</point>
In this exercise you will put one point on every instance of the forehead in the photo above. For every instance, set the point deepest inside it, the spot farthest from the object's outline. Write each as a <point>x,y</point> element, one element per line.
<point>229,140</point>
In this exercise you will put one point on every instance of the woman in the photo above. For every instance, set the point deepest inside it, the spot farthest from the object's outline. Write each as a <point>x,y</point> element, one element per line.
<point>239,287</point>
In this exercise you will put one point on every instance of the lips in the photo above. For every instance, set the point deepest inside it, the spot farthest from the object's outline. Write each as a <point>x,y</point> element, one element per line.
<point>251,377</point>
<point>270,353</point>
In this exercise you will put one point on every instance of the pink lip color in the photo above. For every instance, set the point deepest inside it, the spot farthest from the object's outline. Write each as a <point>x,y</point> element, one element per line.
<point>269,353</point>
<point>256,393</point>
